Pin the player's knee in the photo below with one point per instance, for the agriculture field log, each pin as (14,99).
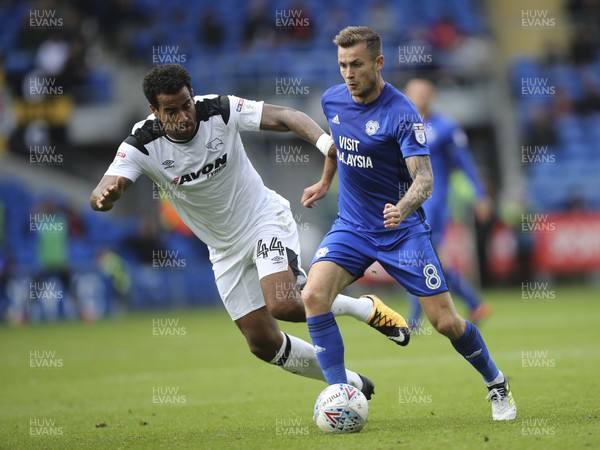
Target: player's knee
(288,309)
(286,305)
(263,347)
(449,326)
(313,300)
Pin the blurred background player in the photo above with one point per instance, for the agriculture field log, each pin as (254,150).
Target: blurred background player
(449,151)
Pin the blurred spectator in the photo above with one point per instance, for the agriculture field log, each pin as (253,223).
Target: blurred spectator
(382,14)
(583,47)
(585,13)
(211,30)
(170,220)
(576,202)
(114,267)
(337,18)
(551,57)
(590,103)
(76,72)
(444,34)
(51,56)
(472,56)
(6,118)
(3,223)
(145,242)
(562,106)
(259,28)
(5,276)
(52,229)
(541,131)
(303,24)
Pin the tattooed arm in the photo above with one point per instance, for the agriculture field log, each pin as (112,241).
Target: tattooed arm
(419,168)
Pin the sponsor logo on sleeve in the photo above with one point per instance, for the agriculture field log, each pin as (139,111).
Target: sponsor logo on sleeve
(419,130)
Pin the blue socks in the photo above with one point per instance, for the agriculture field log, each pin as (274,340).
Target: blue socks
(415,311)
(471,346)
(329,347)
(461,286)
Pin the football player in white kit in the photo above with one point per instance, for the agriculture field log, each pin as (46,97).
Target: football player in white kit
(192,144)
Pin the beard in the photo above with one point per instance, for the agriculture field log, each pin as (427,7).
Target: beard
(367,90)
(179,132)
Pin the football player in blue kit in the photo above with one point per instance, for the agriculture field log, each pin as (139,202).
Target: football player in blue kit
(384,176)
(449,150)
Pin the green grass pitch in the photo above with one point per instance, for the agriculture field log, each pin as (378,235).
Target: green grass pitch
(121,384)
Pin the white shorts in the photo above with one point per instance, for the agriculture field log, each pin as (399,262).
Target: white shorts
(270,247)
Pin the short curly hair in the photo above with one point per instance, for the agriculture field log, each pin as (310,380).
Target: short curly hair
(165,79)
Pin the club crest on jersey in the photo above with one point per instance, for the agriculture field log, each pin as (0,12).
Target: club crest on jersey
(168,163)
(371,127)
(419,130)
(215,144)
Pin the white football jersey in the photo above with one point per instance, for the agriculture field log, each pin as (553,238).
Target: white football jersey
(209,179)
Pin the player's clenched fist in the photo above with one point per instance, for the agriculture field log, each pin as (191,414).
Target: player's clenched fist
(391,214)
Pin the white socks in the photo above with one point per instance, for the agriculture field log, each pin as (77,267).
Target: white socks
(299,357)
(359,308)
(499,379)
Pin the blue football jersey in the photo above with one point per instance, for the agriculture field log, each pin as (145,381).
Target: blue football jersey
(448,147)
(372,141)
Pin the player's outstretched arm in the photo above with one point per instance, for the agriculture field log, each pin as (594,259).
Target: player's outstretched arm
(109,190)
(280,118)
(420,190)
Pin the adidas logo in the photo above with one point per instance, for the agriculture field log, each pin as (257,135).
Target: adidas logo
(319,349)
(336,120)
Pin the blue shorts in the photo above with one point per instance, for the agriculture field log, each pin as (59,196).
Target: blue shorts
(407,254)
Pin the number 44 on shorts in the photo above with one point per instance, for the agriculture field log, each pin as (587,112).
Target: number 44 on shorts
(262,251)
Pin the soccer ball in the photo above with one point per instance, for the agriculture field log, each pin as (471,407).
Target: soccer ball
(341,408)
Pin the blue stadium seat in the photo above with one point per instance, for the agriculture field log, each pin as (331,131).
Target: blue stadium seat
(81,251)
(570,130)
(522,68)
(569,80)
(99,86)
(200,286)
(149,287)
